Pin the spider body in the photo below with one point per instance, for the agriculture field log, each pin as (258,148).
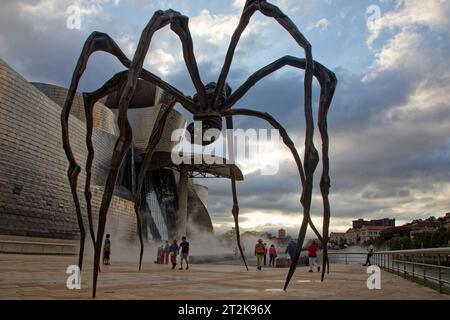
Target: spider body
(209,115)
(210,104)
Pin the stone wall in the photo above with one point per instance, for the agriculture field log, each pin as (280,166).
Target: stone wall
(35,198)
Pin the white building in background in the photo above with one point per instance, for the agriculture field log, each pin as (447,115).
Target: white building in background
(367,233)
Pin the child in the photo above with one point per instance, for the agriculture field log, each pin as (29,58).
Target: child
(107,250)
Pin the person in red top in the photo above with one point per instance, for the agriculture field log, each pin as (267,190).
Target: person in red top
(312,255)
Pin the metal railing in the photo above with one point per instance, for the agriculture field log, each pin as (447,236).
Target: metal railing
(340,257)
(428,266)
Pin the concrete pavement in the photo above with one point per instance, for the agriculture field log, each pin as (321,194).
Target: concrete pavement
(44,277)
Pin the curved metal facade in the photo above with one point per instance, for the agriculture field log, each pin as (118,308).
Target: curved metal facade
(35,196)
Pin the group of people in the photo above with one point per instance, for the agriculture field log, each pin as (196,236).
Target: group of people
(172,251)
(164,252)
(261,251)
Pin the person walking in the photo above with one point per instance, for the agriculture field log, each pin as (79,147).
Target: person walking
(369,255)
(166,252)
(173,251)
(160,258)
(107,250)
(184,255)
(290,250)
(272,255)
(265,254)
(259,253)
(312,255)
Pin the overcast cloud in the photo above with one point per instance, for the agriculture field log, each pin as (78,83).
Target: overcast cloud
(389,122)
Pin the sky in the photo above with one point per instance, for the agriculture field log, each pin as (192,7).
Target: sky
(389,122)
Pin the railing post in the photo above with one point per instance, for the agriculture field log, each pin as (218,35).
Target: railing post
(424,268)
(391,264)
(346,258)
(440,273)
(404,266)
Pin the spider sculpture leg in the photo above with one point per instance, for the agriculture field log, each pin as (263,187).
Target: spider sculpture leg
(287,141)
(269,10)
(122,146)
(96,42)
(151,146)
(235,210)
(158,21)
(90,99)
(179,24)
(328,82)
(311,154)
(100,42)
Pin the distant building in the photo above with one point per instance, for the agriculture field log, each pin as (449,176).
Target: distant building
(281,234)
(368,233)
(400,231)
(362,230)
(448,221)
(338,237)
(352,236)
(447,218)
(386,222)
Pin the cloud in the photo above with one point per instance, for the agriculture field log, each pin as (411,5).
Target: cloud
(322,24)
(410,14)
(396,52)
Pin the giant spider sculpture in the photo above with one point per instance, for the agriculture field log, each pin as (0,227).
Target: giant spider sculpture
(210,104)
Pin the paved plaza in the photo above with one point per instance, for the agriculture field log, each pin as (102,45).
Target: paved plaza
(44,277)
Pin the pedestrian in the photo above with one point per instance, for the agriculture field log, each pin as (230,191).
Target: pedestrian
(290,250)
(265,254)
(107,250)
(259,253)
(173,249)
(166,252)
(184,255)
(312,255)
(160,255)
(272,255)
(369,255)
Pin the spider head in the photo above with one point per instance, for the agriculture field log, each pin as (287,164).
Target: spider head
(210,88)
(207,124)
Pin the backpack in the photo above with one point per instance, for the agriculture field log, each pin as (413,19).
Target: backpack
(260,249)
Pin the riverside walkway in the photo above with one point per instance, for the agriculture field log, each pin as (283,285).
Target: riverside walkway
(44,277)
